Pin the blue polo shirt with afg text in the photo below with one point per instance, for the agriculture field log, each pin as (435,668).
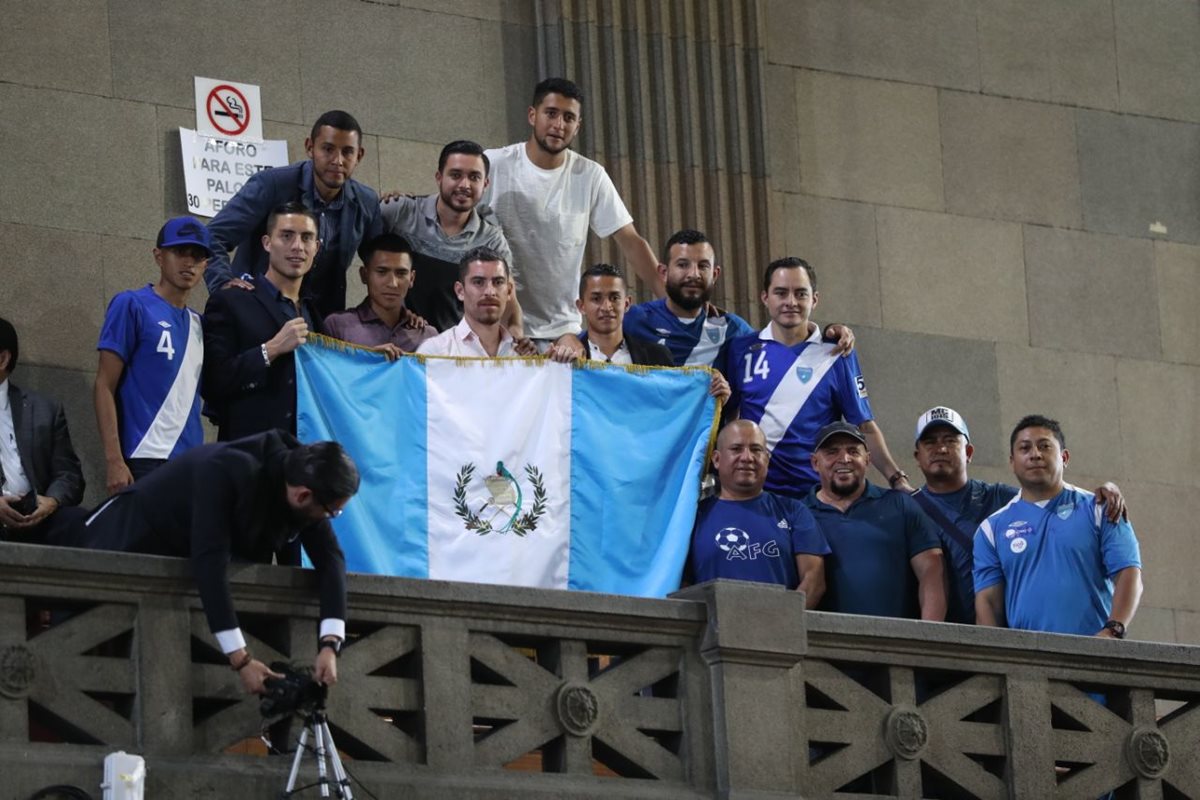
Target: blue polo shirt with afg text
(753,540)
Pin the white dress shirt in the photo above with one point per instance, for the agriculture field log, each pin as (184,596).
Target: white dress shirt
(15,483)
(461,341)
(619,356)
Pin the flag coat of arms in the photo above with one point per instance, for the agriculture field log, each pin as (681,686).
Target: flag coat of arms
(513,471)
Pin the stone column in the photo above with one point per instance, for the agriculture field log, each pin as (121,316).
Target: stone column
(754,639)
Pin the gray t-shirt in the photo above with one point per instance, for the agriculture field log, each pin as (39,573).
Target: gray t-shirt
(436,255)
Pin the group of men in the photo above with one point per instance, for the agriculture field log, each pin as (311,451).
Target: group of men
(1043,556)
(490,266)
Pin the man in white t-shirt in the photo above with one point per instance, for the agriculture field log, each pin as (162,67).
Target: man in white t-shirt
(547,197)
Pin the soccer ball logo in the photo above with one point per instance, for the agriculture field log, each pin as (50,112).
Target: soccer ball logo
(732,539)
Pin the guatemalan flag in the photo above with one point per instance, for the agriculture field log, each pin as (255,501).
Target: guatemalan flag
(514,471)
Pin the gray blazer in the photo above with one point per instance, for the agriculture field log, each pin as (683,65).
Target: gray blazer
(44,444)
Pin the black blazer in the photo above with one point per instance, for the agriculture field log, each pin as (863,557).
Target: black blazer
(218,501)
(244,395)
(642,351)
(44,444)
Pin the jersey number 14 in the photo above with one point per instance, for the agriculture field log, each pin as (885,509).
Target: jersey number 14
(760,367)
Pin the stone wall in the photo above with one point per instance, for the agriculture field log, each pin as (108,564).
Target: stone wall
(93,92)
(1002,197)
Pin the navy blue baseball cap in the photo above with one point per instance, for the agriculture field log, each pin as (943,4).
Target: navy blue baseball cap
(834,428)
(183,231)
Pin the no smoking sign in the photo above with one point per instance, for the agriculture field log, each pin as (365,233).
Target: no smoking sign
(228,110)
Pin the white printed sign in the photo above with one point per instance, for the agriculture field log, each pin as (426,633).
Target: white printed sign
(215,169)
(228,110)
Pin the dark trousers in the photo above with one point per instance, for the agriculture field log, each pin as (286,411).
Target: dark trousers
(117,525)
(141,467)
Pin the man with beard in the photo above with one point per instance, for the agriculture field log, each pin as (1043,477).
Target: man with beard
(547,197)
(872,533)
(443,227)
(685,322)
(603,300)
(792,384)
(241,501)
(747,534)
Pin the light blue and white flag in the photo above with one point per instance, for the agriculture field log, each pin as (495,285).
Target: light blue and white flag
(513,471)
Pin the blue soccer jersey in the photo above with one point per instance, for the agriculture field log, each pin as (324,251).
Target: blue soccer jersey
(694,342)
(873,543)
(1056,559)
(965,509)
(753,540)
(793,392)
(158,398)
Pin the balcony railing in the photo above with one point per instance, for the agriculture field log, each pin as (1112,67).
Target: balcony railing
(470,691)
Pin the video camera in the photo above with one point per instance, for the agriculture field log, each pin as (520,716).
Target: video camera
(296,691)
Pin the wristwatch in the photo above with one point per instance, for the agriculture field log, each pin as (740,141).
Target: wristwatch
(333,644)
(1117,627)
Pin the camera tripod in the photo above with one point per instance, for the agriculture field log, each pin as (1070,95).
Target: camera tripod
(317,726)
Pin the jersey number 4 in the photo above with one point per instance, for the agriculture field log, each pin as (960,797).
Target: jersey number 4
(166,346)
(760,367)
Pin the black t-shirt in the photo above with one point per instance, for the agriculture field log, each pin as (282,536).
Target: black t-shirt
(432,293)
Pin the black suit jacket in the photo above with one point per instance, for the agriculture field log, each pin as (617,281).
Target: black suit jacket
(245,396)
(44,444)
(642,351)
(215,502)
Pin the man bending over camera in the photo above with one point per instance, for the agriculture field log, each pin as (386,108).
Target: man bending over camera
(251,499)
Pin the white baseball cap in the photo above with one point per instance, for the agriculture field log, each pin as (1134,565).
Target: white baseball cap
(941,415)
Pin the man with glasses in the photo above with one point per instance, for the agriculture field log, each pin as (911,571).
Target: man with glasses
(245,500)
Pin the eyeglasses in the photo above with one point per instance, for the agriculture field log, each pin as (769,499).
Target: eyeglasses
(332,513)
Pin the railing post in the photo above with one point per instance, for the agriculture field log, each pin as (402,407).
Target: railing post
(1029,738)
(162,652)
(18,669)
(446,671)
(754,638)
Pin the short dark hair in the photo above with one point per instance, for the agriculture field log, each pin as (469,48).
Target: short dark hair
(789,262)
(292,207)
(600,271)
(1038,421)
(467,148)
(325,468)
(686,236)
(480,254)
(388,243)
(561,86)
(8,341)
(340,120)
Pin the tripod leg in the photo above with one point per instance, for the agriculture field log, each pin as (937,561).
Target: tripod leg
(291,784)
(319,749)
(342,782)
